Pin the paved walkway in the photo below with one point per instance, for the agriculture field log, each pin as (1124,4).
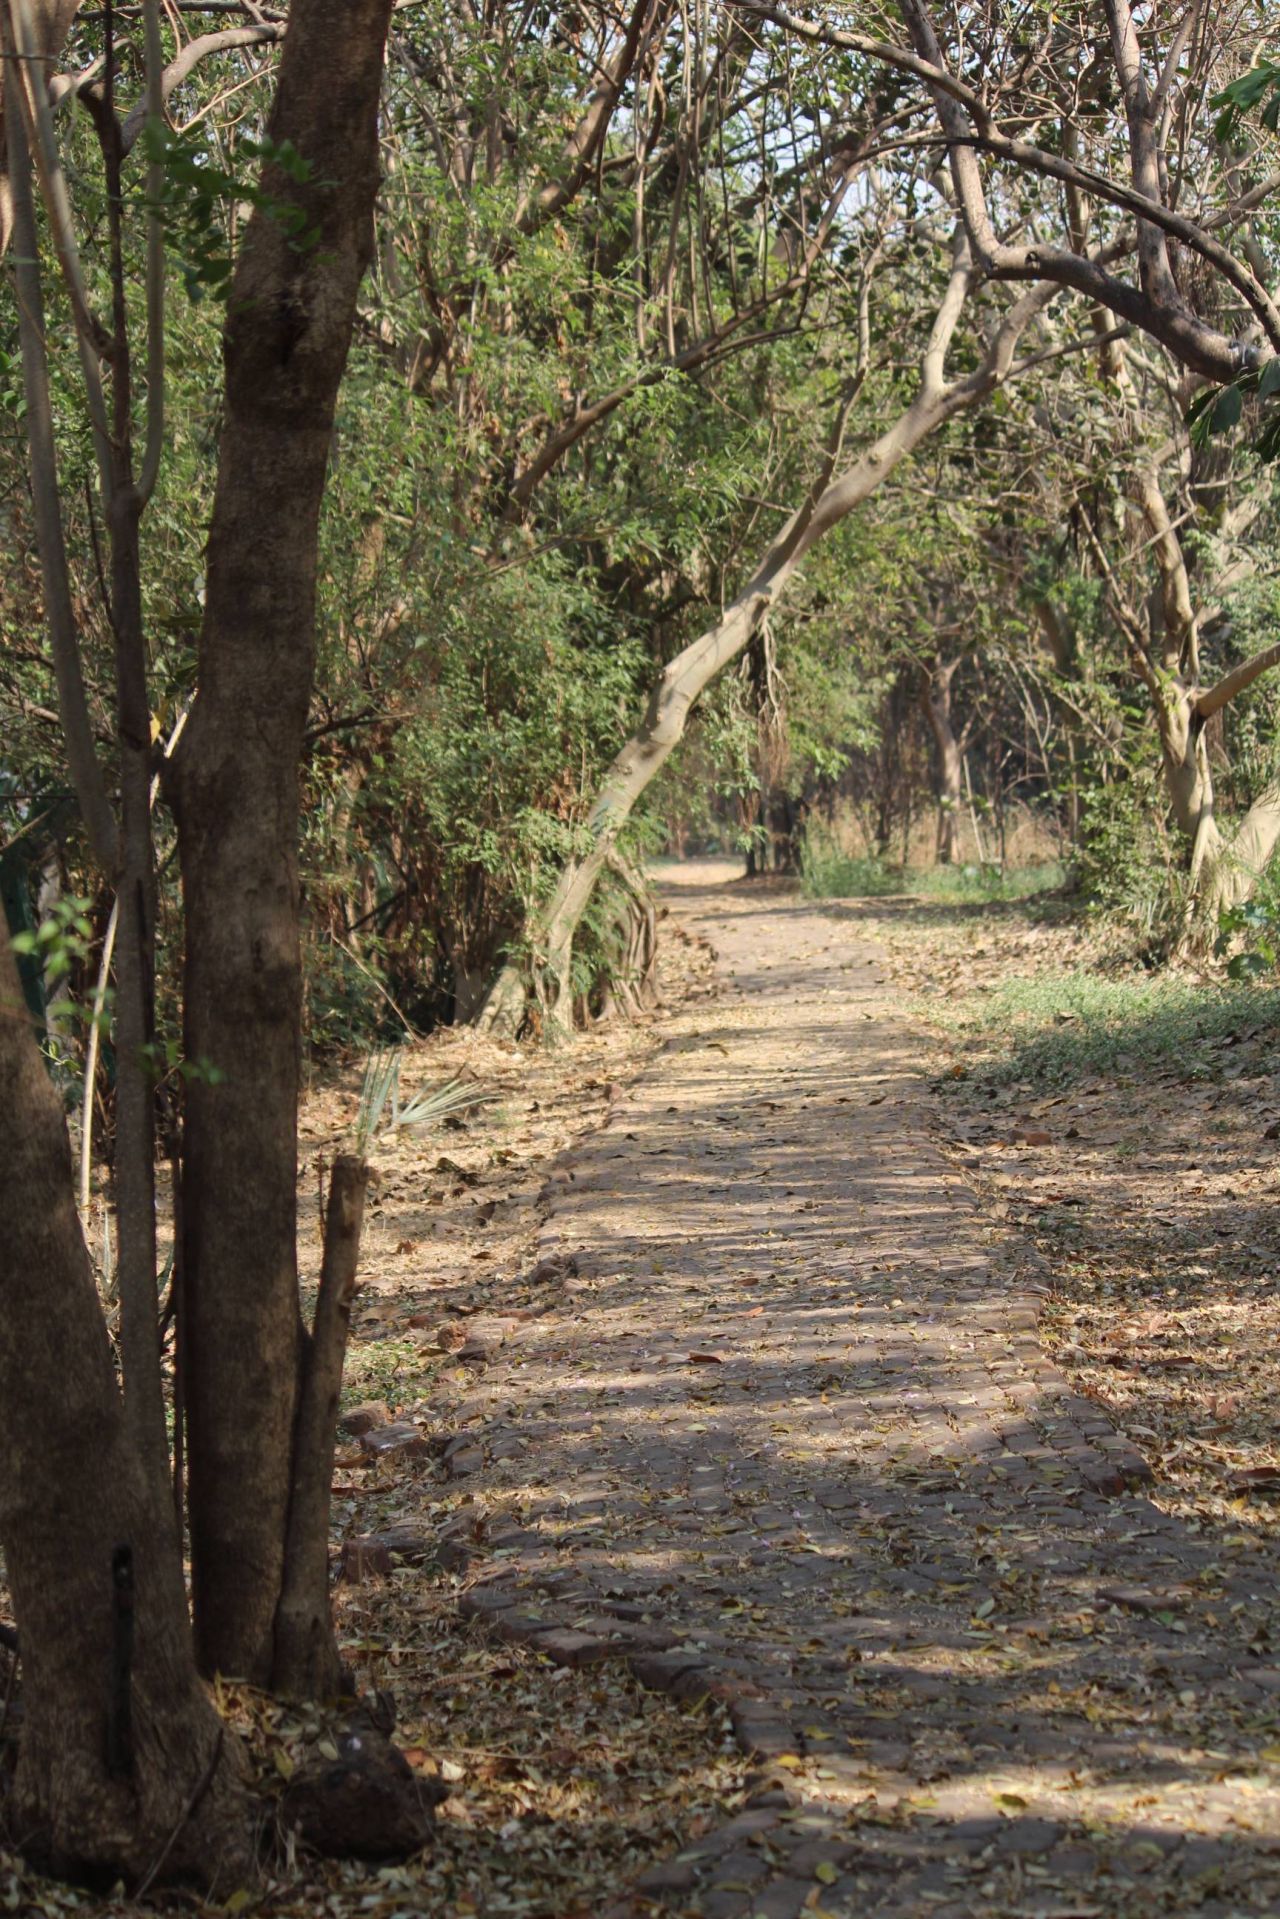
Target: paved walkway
(788,1441)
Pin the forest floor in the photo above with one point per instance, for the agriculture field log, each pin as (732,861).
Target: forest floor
(824,1448)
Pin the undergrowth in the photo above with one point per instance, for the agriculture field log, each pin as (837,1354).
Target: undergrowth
(829,873)
(1058,1029)
(974,884)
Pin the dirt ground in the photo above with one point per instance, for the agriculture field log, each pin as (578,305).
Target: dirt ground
(1150,1189)
(1148,1196)
(558,1788)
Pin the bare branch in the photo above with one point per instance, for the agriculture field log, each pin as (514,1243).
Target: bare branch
(264,33)
(1156,307)
(1236,681)
(73,705)
(155,267)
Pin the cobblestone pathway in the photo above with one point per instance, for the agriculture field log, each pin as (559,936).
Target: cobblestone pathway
(789,1442)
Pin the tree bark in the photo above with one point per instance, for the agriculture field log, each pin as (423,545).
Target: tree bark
(123,1764)
(17,214)
(935,698)
(51,22)
(1224,871)
(291,312)
(306,1661)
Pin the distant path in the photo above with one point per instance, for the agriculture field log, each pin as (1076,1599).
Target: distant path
(793,1438)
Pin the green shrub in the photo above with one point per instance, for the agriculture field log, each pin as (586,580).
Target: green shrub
(827,873)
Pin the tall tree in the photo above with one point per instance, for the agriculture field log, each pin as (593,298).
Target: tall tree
(123,1766)
(122,1762)
(291,311)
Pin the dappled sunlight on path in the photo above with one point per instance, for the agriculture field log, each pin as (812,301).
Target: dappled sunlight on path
(791,1434)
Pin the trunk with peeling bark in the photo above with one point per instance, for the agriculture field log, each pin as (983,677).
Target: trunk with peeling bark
(51,22)
(291,313)
(550,930)
(1225,869)
(123,1765)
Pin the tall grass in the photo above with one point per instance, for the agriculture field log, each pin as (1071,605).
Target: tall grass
(828,874)
(973,885)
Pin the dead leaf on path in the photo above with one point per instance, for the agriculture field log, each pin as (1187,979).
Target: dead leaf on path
(1141,1599)
(707,1359)
(1256,1479)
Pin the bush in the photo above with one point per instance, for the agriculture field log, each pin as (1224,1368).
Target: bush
(977,885)
(826,873)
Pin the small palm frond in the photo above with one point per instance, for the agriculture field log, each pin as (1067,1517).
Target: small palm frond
(380,1108)
(437,1103)
(381,1083)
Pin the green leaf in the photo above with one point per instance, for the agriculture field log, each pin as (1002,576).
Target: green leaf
(1226,414)
(1269,382)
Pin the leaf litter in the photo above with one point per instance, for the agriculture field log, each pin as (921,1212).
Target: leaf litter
(561,1784)
(1149,1189)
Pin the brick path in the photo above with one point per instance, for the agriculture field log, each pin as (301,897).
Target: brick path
(788,1442)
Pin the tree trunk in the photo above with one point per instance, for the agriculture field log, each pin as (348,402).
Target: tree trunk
(51,23)
(291,311)
(1224,872)
(935,699)
(306,1664)
(123,1765)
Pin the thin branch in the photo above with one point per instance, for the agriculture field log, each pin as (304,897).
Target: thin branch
(155,265)
(73,704)
(32,97)
(264,33)
(100,1000)
(1199,345)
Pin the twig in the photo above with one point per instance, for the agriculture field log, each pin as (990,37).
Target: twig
(374,981)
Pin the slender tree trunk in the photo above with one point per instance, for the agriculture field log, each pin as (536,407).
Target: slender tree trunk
(1223,872)
(51,21)
(291,311)
(123,1765)
(306,1663)
(551,931)
(935,699)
